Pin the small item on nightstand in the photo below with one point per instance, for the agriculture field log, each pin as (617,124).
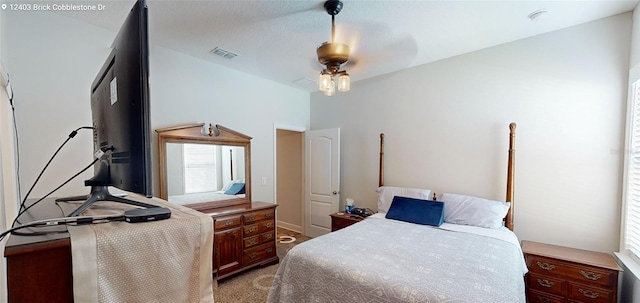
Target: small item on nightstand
(348,208)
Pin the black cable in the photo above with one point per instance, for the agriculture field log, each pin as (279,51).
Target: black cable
(60,221)
(71,135)
(51,192)
(24,200)
(15,130)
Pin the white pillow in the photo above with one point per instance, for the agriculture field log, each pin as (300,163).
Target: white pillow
(227,186)
(230,183)
(386,194)
(468,210)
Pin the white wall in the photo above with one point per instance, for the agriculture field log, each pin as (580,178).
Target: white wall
(630,285)
(446,127)
(54,59)
(8,184)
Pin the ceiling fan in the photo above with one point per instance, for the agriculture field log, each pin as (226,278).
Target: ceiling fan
(333,55)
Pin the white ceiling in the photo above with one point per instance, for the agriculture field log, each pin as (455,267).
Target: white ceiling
(277,40)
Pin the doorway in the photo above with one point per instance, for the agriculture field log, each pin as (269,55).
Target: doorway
(289,170)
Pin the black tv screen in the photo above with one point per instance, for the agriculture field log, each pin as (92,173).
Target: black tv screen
(120,106)
(120,114)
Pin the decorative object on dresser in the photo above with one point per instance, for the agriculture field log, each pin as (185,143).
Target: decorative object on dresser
(563,274)
(244,230)
(342,220)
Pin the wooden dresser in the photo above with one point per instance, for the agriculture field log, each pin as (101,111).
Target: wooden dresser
(244,237)
(342,220)
(567,275)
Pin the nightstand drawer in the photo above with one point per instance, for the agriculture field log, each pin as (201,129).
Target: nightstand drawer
(584,273)
(541,297)
(588,294)
(546,284)
(575,275)
(338,224)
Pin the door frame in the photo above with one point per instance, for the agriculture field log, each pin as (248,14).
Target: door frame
(300,129)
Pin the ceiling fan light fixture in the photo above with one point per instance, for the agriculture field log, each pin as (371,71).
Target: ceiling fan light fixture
(344,83)
(332,55)
(331,90)
(323,82)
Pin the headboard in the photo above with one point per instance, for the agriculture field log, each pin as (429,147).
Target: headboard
(508,220)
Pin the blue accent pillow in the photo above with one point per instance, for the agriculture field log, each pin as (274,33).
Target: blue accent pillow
(418,211)
(235,189)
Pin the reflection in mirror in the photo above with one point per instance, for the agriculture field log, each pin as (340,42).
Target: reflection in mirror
(204,168)
(199,173)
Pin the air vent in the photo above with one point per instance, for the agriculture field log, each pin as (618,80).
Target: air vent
(223,53)
(305,82)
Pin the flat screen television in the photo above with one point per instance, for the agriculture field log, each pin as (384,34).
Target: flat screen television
(120,115)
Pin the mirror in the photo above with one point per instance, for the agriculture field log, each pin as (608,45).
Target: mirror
(204,168)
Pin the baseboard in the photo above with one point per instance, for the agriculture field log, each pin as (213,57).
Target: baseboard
(289,226)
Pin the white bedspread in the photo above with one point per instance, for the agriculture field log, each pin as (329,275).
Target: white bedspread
(380,260)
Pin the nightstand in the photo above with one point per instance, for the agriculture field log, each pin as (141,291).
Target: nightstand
(342,220)
(562,274)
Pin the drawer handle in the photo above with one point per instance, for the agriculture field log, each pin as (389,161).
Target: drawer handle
(543,299)
(268,225)
(269,215)
(590,275)
(251,218)
(546,283)
(268,237)
(252,241)
(228,223)
(588,293)
(252,229)
(252,256)
(546,266)
(268,250)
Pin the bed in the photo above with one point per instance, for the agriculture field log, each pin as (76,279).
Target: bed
(232,190)
(385,260)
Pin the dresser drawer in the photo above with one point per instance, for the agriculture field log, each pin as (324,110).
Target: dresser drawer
(258,216)
(267,225)
(259,253)
(547,284)
(266,237)
(251,241)
(251,230)
(588,294)
(541,297)
(227,222)
(584,273)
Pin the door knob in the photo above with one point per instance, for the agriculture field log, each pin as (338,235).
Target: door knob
(335,192)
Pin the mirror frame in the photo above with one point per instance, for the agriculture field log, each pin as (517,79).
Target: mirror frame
(195,133)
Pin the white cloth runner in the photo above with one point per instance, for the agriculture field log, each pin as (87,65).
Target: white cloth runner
(162,261)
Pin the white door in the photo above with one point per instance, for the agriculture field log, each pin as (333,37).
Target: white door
(322,182)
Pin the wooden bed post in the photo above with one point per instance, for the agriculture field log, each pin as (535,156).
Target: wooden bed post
(510,170)
(381,170)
